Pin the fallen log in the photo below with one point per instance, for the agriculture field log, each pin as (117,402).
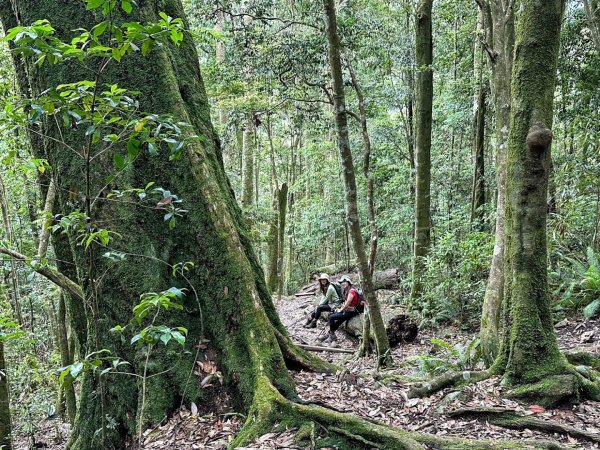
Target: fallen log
(382,279)
(510,419)
(316,348)
(400,329)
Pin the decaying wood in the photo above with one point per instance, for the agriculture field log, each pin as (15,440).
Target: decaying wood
(398,326)
(510,419)
(382,279)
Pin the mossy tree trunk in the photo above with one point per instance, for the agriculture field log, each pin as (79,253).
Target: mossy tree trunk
(249,142)
(478,188)
(341,123)
(423,107)
(282,202)
(529,350)
(5,420)
(499,26)
(276,244)
(233,308)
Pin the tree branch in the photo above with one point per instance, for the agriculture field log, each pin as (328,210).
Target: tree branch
(51,273)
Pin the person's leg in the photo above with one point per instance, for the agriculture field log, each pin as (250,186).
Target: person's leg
(332,319)
(320,310)
(314,317)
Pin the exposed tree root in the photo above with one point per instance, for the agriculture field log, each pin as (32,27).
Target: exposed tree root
(581,358)
(296,358)
(447,380)
(510,419)
(270,407)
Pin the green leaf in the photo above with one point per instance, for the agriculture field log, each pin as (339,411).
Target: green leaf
(126,5)
(119,161)
(133,149)
(75,369)
(592,309)
(99,29)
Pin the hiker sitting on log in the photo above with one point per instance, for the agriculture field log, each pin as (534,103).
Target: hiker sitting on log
(329,300)
(348,310)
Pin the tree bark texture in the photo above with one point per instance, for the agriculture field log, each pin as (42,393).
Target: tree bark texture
(282,201)
(276,236)
(232,309)
(341,122)
(423,122)
(529,351)
(478,189)
(499,20)
(249,141)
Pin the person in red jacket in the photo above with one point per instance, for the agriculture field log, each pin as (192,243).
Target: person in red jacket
(346,312)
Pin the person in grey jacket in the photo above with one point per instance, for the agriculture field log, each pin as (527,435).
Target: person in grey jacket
(329,300)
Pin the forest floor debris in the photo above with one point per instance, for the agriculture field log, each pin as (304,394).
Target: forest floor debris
(357,391)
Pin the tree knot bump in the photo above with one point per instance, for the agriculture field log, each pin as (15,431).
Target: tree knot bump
(539,138)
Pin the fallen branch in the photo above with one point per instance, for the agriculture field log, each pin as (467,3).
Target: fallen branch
(446,380)
(51,273)
(315,348)
(510,419)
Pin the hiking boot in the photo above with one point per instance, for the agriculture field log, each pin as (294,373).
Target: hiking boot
(330,338)
(323,338)
(311,324)
(334,344)
(308,322)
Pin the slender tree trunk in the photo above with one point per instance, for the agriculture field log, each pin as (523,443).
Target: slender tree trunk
(65,356)
(282,199)
(273,245)
(13,276)
(5,420)
(478,189)
(366,334)
(529,351)
(219,60)
(424,104)
(592,14)
(248,168)
(500,32)
(341,122)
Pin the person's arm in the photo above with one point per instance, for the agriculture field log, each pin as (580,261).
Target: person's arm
(349,300)
(324,300)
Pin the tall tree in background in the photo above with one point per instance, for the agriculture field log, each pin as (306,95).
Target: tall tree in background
(499,28)
(423,122)
(341,123)
(249,148)
(592,13)
(478,187)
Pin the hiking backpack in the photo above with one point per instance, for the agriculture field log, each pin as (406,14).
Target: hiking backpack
(360,307)
(338,289)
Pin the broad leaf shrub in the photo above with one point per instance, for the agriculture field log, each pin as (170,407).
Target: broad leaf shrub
(455,280)
(577,284)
